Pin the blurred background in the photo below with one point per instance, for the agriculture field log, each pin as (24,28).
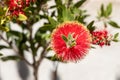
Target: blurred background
(99,64)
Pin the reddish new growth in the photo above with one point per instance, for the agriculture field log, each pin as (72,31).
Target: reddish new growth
(101,38)
(16,6)
(71,41)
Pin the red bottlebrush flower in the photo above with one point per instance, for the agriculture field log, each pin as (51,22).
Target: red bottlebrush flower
(12,4)
(15,4)
(27,2)
(17,12)
(101,38)
(71,41)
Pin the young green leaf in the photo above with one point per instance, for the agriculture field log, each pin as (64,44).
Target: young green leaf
(115,39)
(116,35)
(108,10)
(79,3)
(90,26)
(67,14)
(64,38)
(53,22)
(22,17)
(102,10)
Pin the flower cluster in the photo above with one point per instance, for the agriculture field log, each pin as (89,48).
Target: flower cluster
(101,38)
(16,6)
(71,41)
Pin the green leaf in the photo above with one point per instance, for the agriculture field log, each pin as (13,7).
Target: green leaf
(108,9)
(53,22)
(44,28)
(4,28)
(64,38)
(1,54)
(2,12)
(22,17)
(102,10)
(58,2)
(116,35)
(93,47)
(115,39)
(67,14)
(49,48)
(114,24)
(10,58)
(2,21)
(3,47)
(79,3)
(70,36)
(54,58)
(53,14)
(14,33)
(90,26)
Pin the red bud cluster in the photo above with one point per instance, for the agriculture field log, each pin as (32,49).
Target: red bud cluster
(16,6)
(101,38)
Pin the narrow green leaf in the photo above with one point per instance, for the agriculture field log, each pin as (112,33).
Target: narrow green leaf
(90,26)
(115,40)
(70,36)
(79,3)
(58,2)
(102,10)
(53,22)
(45,27)
(93,47)
(22,17)
(53,14)
(49,48)
(10,58)
(14,33)
(67,14)
(114,24)
(52,6)
(108,9)
(116,35)
(3,47)
(54,58)
(64,38)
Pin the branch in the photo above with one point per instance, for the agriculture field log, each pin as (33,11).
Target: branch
(42,54)
(15,50)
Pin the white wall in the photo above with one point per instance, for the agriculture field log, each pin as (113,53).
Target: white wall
(99,64)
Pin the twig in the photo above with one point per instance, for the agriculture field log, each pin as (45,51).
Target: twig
(42,54)
(17,51)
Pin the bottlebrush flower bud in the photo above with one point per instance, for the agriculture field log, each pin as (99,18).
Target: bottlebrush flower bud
(101,38)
